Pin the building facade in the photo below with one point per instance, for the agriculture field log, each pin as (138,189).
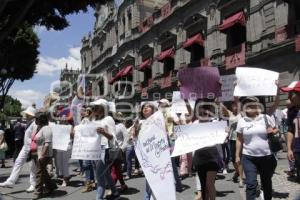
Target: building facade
(68,83)
(138,47)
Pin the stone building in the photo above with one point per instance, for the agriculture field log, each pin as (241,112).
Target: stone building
(139,46)
(68,82)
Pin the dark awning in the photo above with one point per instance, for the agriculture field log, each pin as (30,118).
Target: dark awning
(169,53)
(196,39)
(234,19)
(145,64)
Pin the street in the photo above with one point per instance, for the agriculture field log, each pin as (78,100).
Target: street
(226,189)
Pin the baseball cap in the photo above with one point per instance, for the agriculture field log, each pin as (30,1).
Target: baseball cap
(29,111)
(250,100)
(164,101)
(294,86)
(100,102)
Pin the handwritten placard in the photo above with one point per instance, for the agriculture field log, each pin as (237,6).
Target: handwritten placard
(87,143)
(227,87)
(153,153)
(60,136)
(255,82)
(196,136)
(179,105)
(199,82)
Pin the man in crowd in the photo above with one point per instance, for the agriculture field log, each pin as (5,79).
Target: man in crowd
(29,114)
(19,131)
(293,140)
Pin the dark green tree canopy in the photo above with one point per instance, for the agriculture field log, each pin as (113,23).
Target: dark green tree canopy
(12,108)
(19,44)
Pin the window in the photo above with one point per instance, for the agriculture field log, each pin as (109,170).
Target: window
(147,77)
(168,66)
(297,16)
(129,16)
(124,23)
(197,53)
(236,35)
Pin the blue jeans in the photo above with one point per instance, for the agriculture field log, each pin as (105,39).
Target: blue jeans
(176,174)
(265,166)
(102,175)
(148,192)
(129,155)
(80,165)
(89,171)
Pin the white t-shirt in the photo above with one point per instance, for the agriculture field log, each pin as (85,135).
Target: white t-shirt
(121,134)
(27,136)
(254,132)
(109,125)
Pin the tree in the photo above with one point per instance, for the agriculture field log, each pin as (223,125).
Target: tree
(12,108)
(18,58)
(19,44)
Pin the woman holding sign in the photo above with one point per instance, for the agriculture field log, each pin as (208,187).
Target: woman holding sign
(252,139)
(107,131)
(147,110)
(205,160)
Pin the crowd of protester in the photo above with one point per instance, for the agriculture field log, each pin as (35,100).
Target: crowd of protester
(247,146)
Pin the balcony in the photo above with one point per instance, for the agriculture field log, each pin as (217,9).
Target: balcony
(166,81)
(235,57)
(297,43)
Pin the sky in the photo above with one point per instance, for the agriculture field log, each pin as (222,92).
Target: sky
(56,49)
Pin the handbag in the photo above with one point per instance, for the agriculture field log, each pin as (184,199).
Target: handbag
(273,139)
(115,155)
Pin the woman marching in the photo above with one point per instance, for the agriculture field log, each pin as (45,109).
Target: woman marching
(252,139)
(146,111)
(107,129)
(205,160)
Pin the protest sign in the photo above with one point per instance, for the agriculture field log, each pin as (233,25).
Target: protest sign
(179,105)
(60,136)
(87,143)
(196,136)
(153,153)
(227,87)
(199,82)
(255,82)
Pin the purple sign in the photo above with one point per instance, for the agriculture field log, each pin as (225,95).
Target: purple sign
(199,82)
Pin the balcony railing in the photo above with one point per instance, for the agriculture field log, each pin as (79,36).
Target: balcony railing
(235,56)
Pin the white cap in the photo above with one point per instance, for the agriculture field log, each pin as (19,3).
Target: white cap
(29,111)
(164,101)
(1,132)
(100,102)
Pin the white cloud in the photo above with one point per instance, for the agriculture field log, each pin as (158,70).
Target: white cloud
(48,65)
(27,97)
(39,29)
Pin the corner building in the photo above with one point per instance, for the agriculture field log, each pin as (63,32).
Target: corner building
(138,46)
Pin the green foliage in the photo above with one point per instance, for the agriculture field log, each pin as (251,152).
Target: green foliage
(19,54)
(12,108)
